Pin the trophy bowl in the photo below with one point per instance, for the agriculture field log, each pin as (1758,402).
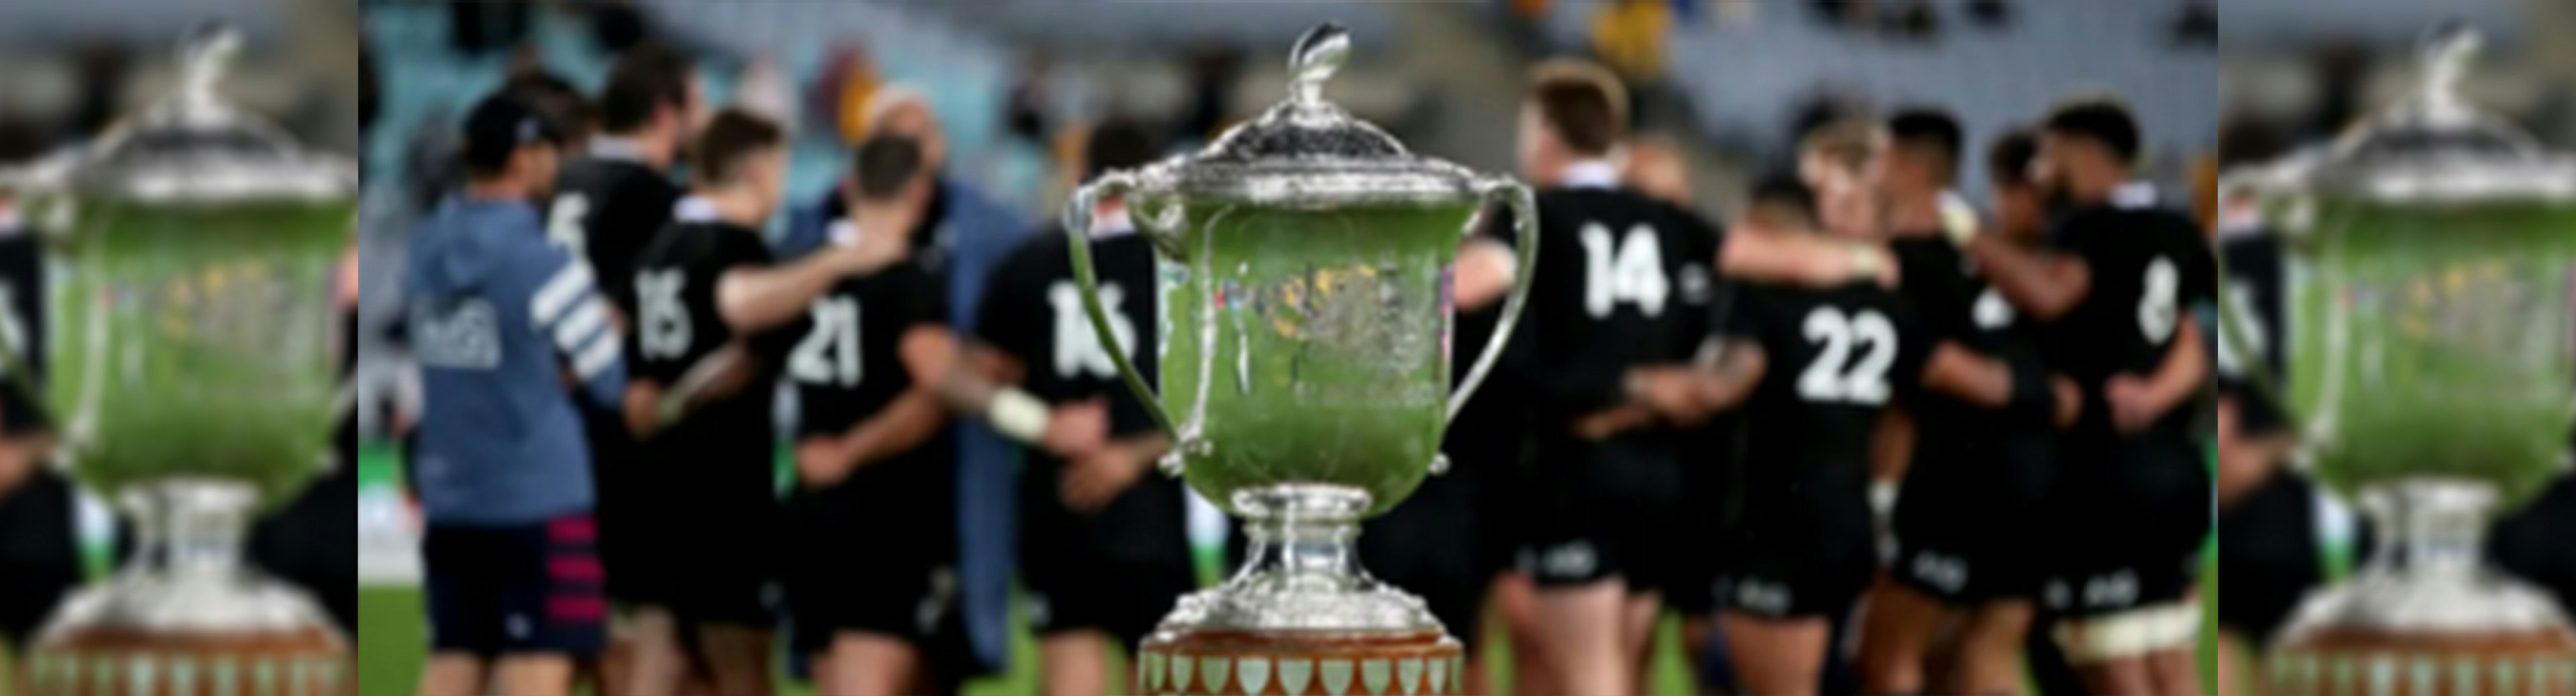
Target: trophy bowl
(2433,348)
(1302,265)
(192,382)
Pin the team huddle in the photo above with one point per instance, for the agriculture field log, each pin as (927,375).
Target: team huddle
(1859,431)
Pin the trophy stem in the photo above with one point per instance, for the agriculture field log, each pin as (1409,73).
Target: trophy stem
(2435,527)
(1302,538)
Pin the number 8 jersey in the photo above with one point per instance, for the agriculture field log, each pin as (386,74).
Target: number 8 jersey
(2151,270)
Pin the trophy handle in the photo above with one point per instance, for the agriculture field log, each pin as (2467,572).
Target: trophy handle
(1077,237)
(1524,228)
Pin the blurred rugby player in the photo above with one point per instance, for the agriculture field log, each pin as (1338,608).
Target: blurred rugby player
(1974,492)
(1606,365)
(2280,532)
(500,321)
(2120,295)
(608,203)
(871,452)
(714,320)
(1103,547)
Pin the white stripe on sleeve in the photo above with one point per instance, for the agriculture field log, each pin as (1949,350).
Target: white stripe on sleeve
(589,319)
(558,294)
(603,351)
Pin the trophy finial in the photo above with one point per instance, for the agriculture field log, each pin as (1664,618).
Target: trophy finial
(1318,54)
(2446,55)
(205,54)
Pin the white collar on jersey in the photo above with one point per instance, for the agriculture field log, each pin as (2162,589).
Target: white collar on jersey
(2135,195)
(694,209)
(1589,174)
(616,149)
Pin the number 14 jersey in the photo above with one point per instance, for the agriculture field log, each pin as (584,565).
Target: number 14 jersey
(1623,281)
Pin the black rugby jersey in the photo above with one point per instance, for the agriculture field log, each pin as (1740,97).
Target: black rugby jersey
(728,447)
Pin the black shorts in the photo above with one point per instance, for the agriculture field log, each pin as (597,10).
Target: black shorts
(518,589)
(2130,522)
(1709,458)
(714,564)
(870,557)
(1605,510)
(40,555)
(2271,544)
(1970,525)
(614,479)
(1119,572)
(1785,583)
(1427,547)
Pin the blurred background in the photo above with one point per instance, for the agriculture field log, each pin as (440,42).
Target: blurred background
(1723,88)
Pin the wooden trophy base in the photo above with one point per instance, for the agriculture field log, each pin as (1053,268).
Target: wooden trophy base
(2353,663)
(1236,663)
(122,663)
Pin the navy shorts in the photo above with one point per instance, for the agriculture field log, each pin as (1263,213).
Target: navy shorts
(516,589)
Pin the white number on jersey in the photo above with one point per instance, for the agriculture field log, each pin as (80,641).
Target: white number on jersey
(1834,377)
(2247,328)
(2156,302)
(1077,346)
(1629,269)
(829,356)
(563,222)
(1992,312)
(663,330)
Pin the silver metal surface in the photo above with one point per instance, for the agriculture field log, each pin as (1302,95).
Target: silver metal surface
(188,578)
(2430,148)
(192,148)
(2426,579)
(1302,571)
(1306,152)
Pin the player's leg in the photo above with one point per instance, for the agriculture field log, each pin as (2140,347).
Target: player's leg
(452,674)
(1515,603)
(656,663)
(868,664)
(1637,617)
(2237,665)
(738,658)
(1896,638)
(1990,647)
(1074,663)
(1777,656)
(1581,633)
(534,675)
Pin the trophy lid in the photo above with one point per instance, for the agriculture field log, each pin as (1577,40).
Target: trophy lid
(1307,152)
(193,148)
(2434,147)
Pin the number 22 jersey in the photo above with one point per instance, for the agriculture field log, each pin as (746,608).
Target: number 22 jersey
(1834,359)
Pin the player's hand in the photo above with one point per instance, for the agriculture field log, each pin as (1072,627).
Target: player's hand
(1672,392)
(721,375)
(823,461)
(1094,479)
(1603,425)
(2070,400)
(1077,429)
(2133,403)
(1876,262)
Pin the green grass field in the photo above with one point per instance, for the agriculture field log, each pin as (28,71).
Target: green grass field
(392,640)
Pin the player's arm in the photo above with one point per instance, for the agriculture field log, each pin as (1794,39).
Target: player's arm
(1803,260)
(1740,367)
(1995,383)
(1094,479)
(755,299)
(1486,269)
(2137,403)
(907,421)
(2042,284)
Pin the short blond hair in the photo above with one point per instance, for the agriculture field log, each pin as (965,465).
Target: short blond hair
(1847,143)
